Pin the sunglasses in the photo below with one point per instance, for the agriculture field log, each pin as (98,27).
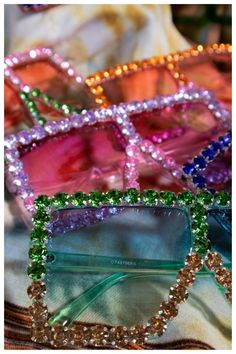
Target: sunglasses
(107,226)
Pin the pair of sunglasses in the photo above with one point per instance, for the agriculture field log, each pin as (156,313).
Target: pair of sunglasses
(117,244)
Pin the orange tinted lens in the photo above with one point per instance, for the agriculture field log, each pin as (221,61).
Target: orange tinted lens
(140,85)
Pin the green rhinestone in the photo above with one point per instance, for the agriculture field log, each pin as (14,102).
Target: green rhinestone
(149,196)
(222,198)
(23,95)
(78,199)
(46,98)
(96,198)
(37,252)
(42,201)
(66,109)
(39,234)
(186,198)
(31,104)
(33,110)
(35,92)
(56,104)
(60,200)
(167,198)
(132,196)
(40,218)
(198,211)
(41,120)
(114,196)
(36,271)
(202,225)
(202,245)
(205,197)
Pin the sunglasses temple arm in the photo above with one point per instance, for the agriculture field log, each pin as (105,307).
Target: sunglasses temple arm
(73,309)
(75,262)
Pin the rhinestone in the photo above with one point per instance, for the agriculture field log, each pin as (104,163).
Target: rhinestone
(59,337)
(194,261)
(98,335)
(158,325)
(223,277)
(178,293)
(40,218)
(36,271)
(114,196)
(228,294)
(78,199)
(60,200)
(43,201)
(138,334)
(167,198)
(205,197)
(39,311)
(213,261)
(96,198)
(36,290)
(39,334)
(118,335)
(185,277)
(149,197)
(222,198)
(37,252)
(168,310)
(39,234)
(202,245)
(186,198)
(131,196)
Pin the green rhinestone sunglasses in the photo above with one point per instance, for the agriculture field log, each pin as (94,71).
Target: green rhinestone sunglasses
(146,214)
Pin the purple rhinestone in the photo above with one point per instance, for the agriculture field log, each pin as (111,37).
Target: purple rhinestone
(24,137)
(38,132)
(16,167)
(20,179)
(64,125)
(10,141)
(12,154)
(77,120)
(51,127)
(25,192)
(89,117)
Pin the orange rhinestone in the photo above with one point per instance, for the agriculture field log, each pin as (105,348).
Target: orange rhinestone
(178,293)
(224,277)
(213,261)
(168,310)
(194,261)
(185,277)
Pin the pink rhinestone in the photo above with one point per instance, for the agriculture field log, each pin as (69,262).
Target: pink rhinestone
(177,173)
(213,261)
(132,150)
(133,184)
(169,163)
(147,147)
(134,139)
(168,310)
(223,277)
(158,155)
(131,162)
(194,261)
